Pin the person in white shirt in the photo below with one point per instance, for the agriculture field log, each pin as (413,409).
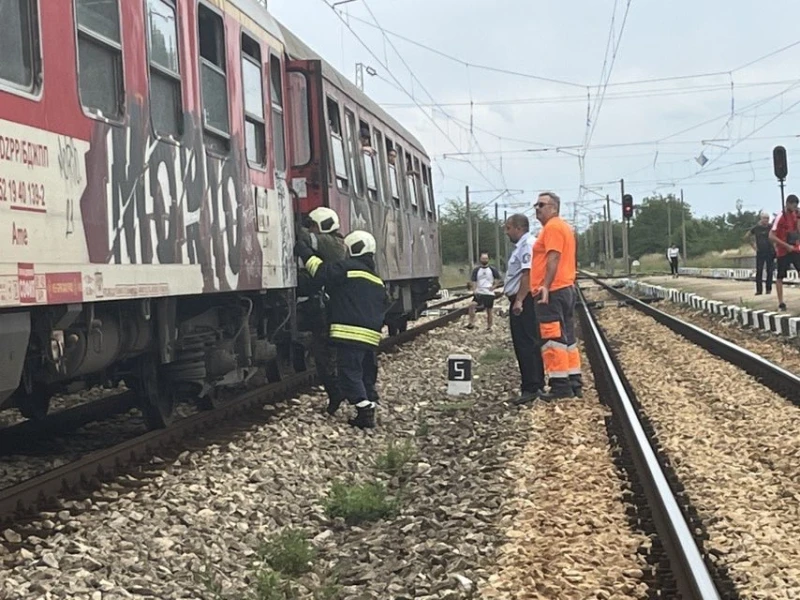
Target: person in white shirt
(522,316)
(672,256)
(482,283)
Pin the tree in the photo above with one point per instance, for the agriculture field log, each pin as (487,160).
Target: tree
(453,232)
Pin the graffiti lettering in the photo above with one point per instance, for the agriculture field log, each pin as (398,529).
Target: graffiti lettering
(68,161)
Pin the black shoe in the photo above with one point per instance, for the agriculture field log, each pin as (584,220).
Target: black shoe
(333,405)
(759,293)
(470,326)
(781,306)
(557,395)
(577,391)
(526,398)
(365,418)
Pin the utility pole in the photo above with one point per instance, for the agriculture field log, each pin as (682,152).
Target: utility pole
(439,230)
(505,238)
(477,237)
(497,235)
(610,235)
(470,249)
(360,76)
(683,226)
(625,223)
(669,221)
(605,238)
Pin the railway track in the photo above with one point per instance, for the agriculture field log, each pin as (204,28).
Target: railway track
(715,418)
(21,502)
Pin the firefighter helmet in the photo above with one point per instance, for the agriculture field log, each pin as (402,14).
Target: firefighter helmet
(359,243)
(326,219)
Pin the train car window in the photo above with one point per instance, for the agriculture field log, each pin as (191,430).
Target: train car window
(276,96)
(431,198)
(380,153)
(350,126)
(300,131)
(100,56)
(19,45)
(426,190)
(392,161)
(369,158)
(166,105)
(214,78)
(337,144)
(255,132)
(411,180)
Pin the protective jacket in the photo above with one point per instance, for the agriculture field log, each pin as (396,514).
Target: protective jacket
(357,296)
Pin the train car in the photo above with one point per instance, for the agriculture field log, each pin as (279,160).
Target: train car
(149,157)
(143,192)
(349,154)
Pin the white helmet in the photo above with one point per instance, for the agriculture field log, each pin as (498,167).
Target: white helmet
(326,219)
(359,243)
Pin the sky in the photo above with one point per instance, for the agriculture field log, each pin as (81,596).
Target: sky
(508,107)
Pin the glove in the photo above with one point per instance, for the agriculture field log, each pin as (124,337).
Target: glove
(302,250)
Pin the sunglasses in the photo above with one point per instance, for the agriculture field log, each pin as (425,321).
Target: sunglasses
(542,204)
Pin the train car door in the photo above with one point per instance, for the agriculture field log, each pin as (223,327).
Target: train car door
(308,179)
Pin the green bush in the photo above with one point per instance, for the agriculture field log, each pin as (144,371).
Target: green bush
(359,503)
(289,553)
(395,458)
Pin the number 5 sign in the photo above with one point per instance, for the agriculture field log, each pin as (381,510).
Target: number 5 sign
(459,374)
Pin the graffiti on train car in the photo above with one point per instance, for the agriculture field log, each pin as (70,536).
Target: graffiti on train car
(170,204)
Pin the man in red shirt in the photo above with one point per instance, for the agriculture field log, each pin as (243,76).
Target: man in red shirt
(785,236)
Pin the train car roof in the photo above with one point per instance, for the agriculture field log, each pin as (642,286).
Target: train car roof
(299,50)
(258,12)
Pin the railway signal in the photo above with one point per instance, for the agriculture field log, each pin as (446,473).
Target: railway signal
(781,167)
(627,207)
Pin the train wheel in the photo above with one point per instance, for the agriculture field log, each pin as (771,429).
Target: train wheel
(157,399)
(35,401)
(35,406)
(301,358)
(275,370)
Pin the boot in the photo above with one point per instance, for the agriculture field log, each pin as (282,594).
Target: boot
(560,387)
(365,418)
(577,385)
(334,402)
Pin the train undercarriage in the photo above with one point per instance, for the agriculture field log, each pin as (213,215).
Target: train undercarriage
(167,350)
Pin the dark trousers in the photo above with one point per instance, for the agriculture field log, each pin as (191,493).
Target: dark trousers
(313,318)
(764,260)
(673,265)
(358,372)
(527,347)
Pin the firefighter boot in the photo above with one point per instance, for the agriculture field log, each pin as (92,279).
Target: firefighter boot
(334,402)
(365,419)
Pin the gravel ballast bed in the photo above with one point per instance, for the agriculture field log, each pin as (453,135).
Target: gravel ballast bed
(732,442)
(479,466)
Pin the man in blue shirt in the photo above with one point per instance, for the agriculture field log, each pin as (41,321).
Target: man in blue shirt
(524,328)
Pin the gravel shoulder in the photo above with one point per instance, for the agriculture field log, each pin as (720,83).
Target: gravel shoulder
(732,442)
(485,493)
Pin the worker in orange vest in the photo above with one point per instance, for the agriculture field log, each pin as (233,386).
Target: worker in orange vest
(552,281)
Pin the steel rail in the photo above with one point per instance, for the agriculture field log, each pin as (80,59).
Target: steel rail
(688,567)
(767,373)
(27,497)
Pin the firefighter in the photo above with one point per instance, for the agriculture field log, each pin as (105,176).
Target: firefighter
(322,235)
(552,281)
(356,312)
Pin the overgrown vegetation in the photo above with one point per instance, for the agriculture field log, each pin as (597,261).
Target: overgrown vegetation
(358,503)
(492,356)
(395,457)
(452,407)
(289,553)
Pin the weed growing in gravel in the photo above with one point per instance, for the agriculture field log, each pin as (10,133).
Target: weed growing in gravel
(423,430)
(396,457)
(270,586)
(359,503)
(289,553)
(452,407)
(493,356)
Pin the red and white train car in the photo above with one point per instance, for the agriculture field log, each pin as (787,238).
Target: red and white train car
(144,159)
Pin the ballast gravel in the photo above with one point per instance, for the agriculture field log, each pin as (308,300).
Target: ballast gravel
(732,443)
(490,492)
